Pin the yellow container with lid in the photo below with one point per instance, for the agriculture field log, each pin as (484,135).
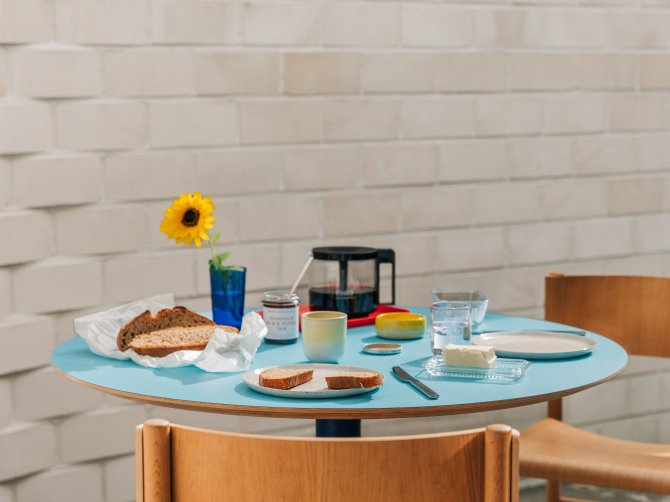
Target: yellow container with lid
(400,325)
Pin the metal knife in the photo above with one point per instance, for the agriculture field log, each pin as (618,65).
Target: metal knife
(580,332)
(406,377)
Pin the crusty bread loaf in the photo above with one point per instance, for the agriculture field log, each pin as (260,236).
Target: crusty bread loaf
(284,378)
(147,322)
(162,342)
(354,380)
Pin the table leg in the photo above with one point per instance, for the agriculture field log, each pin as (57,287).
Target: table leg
(338,428)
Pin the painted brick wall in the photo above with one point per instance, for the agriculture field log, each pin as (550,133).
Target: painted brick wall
(488,142)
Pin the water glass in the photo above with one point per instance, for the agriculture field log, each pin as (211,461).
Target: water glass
(477,300)
(450,322)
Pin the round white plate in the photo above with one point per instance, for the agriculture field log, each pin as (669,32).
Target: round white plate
(536,344)
(315,388)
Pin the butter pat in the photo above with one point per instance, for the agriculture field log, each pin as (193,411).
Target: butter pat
(480,356)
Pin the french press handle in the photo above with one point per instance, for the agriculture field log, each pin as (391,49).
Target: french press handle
(386,256)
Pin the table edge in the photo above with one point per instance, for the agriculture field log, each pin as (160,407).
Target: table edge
(345,414)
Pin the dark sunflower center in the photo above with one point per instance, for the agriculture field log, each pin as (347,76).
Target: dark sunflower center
(190,218)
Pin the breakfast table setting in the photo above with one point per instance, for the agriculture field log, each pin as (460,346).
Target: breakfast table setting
(188,387)
(339,355)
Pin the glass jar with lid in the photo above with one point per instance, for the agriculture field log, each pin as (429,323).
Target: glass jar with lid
(280,313)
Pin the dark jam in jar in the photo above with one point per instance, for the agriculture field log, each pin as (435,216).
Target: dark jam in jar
(280,313)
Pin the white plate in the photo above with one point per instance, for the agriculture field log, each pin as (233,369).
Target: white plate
(315,388)
(536,344)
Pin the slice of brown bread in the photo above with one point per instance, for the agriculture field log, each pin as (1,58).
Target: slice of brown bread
(147,322)
(354,380)
(284,378)
(166,341)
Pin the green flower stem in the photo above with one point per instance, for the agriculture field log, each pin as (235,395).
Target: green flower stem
(216,261)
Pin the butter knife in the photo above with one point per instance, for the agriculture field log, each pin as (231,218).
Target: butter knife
(406,377)
(580,332)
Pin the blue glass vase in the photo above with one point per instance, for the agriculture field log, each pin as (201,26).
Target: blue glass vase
(227,288)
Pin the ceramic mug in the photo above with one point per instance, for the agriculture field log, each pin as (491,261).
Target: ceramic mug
(323,335)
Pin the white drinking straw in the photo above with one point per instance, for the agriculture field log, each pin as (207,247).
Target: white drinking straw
(310,258)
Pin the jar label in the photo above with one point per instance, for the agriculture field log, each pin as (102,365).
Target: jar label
(282,323)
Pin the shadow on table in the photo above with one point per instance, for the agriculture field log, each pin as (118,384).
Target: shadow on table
(263,399)
(191,375)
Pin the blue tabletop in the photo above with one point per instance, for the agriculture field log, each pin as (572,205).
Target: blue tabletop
(190,388)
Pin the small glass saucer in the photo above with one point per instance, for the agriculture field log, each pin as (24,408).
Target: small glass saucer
(382,348)
(505,370)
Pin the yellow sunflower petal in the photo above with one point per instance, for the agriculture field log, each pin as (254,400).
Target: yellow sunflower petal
(190,230)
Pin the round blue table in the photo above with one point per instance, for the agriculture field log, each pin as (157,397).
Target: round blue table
(193,389)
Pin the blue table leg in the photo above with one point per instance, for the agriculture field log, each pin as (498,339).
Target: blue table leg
(338,428)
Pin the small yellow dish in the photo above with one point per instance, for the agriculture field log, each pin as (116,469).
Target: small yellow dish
(400,325)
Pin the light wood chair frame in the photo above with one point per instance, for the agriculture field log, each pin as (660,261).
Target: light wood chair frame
(167,454)
(634,311)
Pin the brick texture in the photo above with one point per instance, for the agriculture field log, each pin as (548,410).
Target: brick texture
(487,142)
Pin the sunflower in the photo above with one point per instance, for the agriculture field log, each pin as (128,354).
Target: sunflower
(189,219)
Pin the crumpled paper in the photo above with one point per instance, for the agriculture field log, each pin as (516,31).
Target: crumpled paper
(225,352)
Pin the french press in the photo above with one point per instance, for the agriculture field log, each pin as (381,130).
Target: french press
(346,279)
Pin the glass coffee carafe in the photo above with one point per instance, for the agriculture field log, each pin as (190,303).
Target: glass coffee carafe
(346,279)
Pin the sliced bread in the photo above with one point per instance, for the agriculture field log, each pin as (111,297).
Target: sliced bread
(354,380)
(147,322)
(162,342)
(284,378)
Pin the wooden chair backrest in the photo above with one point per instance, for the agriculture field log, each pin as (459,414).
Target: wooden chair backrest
(634,311)
(180,464)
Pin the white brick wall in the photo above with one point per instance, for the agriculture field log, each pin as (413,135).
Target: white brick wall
(487,142)
(81,437)
(5,402)
(25,21)
(24,127)
(46,72)
(118,486)
(44,181)
(101,125)
(28,341)
(34,231)
(57,485)
(57,396)
(31,447)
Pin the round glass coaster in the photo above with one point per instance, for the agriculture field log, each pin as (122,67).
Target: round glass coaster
(382,348)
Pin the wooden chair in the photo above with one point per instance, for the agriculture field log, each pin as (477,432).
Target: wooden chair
(177,464)
(635,312)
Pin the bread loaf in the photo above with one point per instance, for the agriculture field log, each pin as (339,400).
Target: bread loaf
(162,342)
(284,378)
(354,380)
(147,322)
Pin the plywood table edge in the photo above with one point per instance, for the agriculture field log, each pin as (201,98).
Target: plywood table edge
(346,414)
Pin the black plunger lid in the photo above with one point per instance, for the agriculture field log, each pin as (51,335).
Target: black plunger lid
(348,253)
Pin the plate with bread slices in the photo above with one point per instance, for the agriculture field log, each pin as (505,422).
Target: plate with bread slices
(313,381)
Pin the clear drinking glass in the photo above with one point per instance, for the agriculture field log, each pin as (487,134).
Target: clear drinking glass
(450,322)
(477,300)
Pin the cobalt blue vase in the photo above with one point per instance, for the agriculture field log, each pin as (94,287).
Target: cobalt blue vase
(227,288)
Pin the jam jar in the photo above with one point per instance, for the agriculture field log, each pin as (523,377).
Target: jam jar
(280,313)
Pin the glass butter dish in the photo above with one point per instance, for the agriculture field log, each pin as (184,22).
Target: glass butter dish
(504,371)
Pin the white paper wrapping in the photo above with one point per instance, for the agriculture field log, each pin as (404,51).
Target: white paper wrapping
(225,352)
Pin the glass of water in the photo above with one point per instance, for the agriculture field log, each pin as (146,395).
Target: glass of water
(450,322)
